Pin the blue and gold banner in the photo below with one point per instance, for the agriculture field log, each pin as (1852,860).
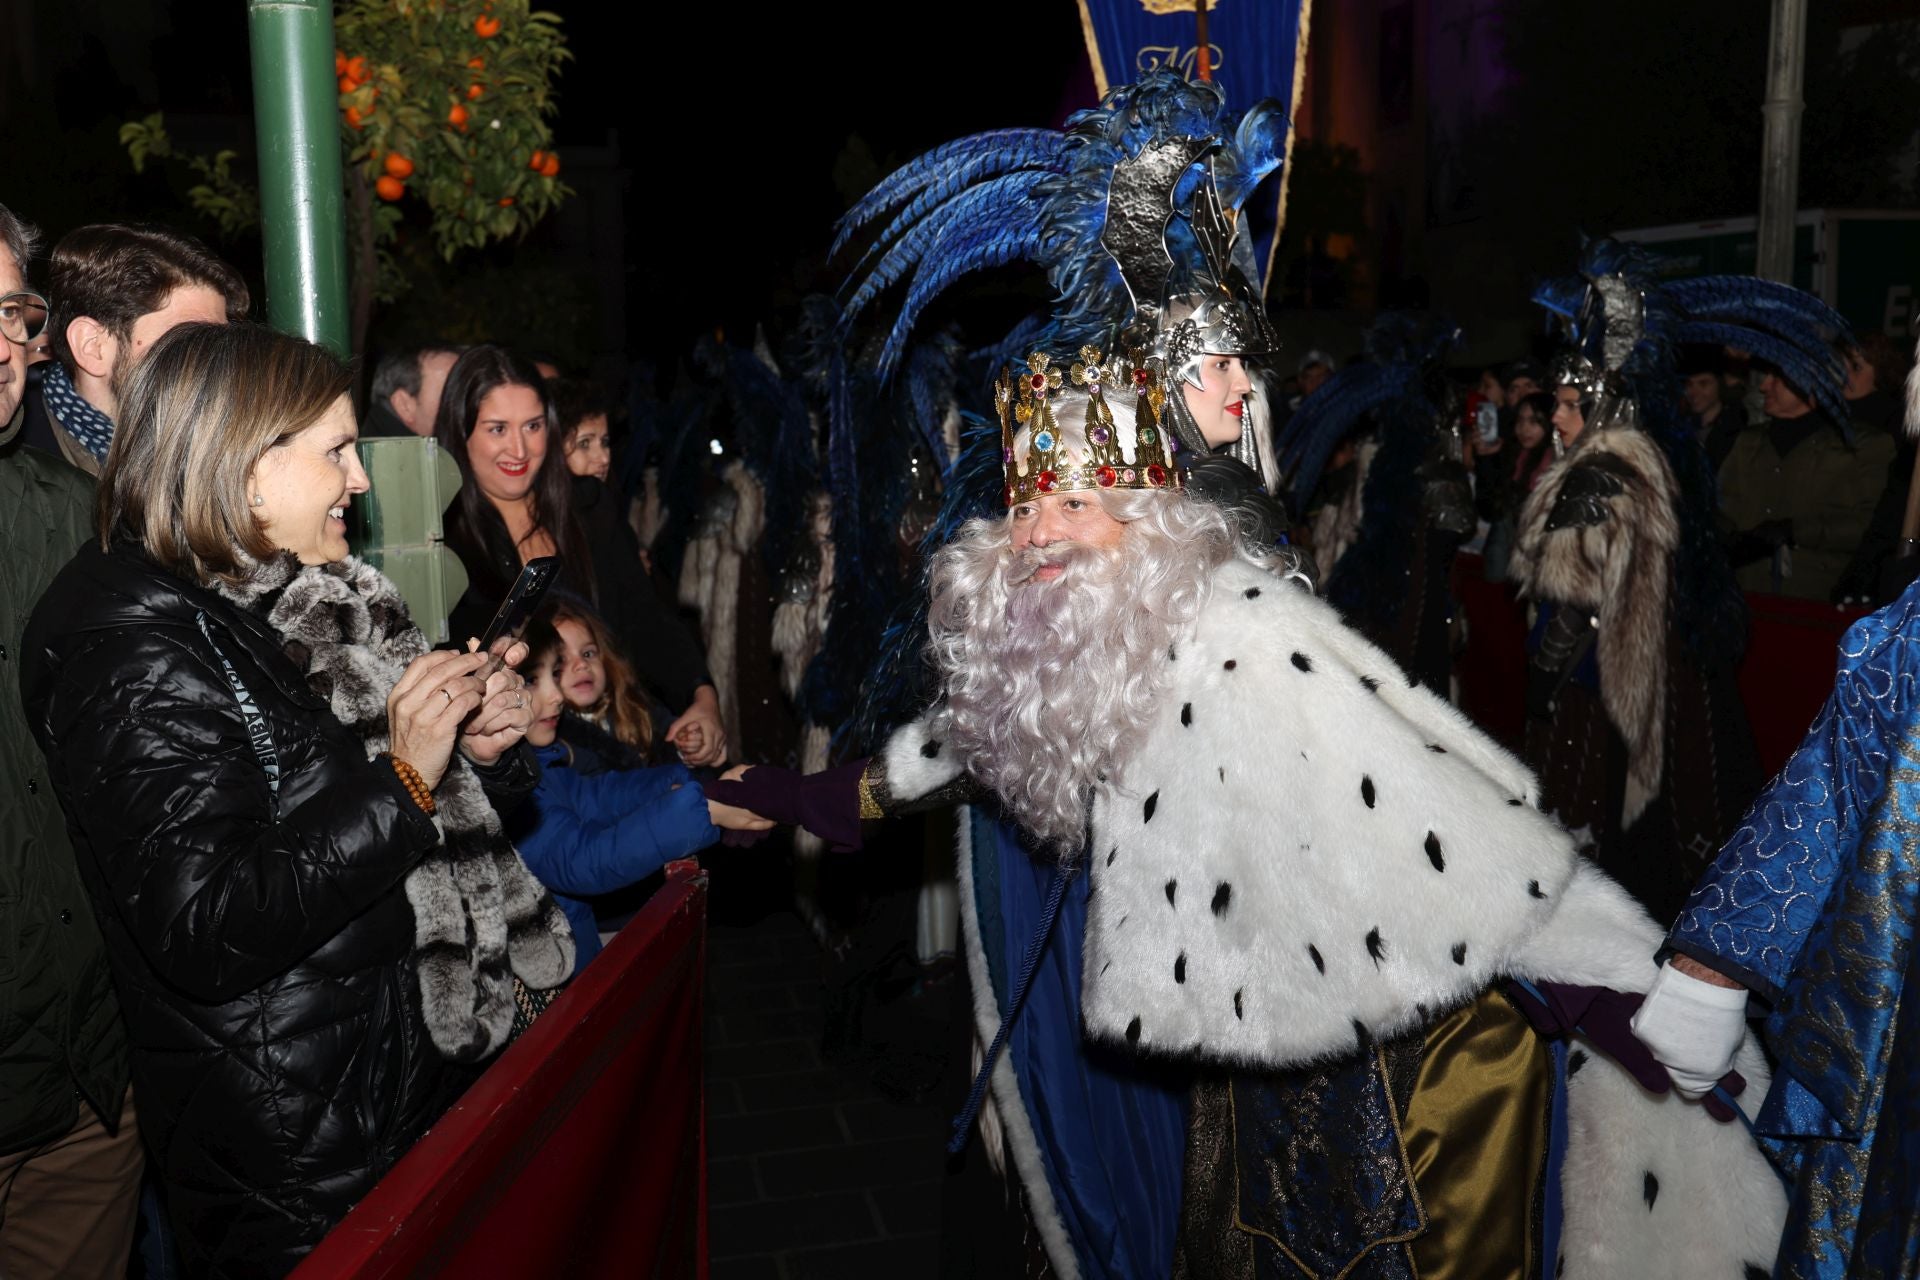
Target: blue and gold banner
(1257,49)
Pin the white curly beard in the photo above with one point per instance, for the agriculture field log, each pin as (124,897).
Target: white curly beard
(1051,683)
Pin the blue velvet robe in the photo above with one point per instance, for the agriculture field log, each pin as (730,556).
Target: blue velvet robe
(1111,1129)
(1812,904)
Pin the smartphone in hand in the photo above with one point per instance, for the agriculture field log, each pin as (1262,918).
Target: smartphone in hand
(529,589)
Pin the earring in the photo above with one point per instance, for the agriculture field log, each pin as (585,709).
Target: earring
(258,501)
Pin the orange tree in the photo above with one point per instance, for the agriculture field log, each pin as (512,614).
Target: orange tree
(445,109)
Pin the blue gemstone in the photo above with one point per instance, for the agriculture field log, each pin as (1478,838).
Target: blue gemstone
(1043,441)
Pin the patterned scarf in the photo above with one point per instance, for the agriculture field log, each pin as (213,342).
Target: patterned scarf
(92,428)
(480,917)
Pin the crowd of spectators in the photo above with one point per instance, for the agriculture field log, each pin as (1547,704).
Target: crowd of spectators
(233,770)
(1809,506)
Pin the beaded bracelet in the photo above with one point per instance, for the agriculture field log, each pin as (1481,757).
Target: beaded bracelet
(416,785)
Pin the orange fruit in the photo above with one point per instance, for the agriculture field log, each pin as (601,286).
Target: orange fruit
(551,169)
(476,64)
(339,63)
(538,162)
(398,165)
(473,92)
(390,188)
(347,86)
(457,117)
(354,118)
(357,69)
(505,201)
(486,28)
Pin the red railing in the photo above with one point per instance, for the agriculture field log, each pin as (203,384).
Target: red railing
(1786,674)
(582,1151)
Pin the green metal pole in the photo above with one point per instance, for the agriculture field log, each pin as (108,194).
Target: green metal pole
(297,118)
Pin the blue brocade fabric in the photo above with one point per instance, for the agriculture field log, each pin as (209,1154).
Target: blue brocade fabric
(1323,1185)
(1111,1129)
(1813,903)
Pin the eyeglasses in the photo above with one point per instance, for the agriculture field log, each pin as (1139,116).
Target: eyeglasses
(23,316)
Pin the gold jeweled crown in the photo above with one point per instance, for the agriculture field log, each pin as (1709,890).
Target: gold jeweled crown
(1059,462)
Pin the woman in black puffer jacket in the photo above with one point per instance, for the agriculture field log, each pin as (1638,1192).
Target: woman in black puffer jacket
(274,893)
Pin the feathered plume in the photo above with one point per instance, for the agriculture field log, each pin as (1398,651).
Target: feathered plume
(1040,196)
(1401,351)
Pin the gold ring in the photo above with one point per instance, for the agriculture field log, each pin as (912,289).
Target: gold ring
(449,694)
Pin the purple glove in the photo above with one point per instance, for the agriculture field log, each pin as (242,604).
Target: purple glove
(1601,1015)
(826,803)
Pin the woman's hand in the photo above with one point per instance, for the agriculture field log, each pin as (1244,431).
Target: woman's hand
(697,734)
(424,711)
(507,711)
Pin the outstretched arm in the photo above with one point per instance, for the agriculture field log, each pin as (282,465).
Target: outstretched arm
(913,772)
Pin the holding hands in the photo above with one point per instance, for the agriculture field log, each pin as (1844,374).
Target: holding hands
(698,734)
(731,817)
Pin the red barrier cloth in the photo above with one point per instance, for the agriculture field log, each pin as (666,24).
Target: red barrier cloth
(582,1151)
(1492,670)
(1786,674)
(1792,646)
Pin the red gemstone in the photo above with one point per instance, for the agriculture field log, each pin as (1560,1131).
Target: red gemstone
(1045,481)
(1105,477)
(1157,474)
(1038,382)
(1140,377)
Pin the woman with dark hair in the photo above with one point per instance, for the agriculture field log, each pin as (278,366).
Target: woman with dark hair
(518,500)
(1505,474)
(275,791)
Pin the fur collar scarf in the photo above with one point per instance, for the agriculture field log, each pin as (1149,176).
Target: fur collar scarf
(1618,569)
(480,917)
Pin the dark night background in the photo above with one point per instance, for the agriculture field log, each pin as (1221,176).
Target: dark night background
(737,126)
(743,132)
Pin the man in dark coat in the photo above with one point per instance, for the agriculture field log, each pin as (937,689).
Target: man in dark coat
(70,1155)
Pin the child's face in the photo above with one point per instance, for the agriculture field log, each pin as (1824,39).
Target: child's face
(583,672)
(543,687)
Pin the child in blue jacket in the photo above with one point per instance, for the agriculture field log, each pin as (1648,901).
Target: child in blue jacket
(591,828)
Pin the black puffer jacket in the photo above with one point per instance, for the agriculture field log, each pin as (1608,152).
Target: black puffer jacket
(260,948)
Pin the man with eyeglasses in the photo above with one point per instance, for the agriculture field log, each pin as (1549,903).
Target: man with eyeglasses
(70,1156)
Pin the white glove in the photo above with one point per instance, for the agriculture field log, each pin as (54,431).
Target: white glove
(1692,1028)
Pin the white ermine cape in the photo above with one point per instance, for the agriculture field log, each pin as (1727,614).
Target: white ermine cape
(1307,848)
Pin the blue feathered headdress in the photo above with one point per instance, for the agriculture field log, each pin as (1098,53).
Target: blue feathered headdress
(1394,382)
(1775,323)
(1040,195)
